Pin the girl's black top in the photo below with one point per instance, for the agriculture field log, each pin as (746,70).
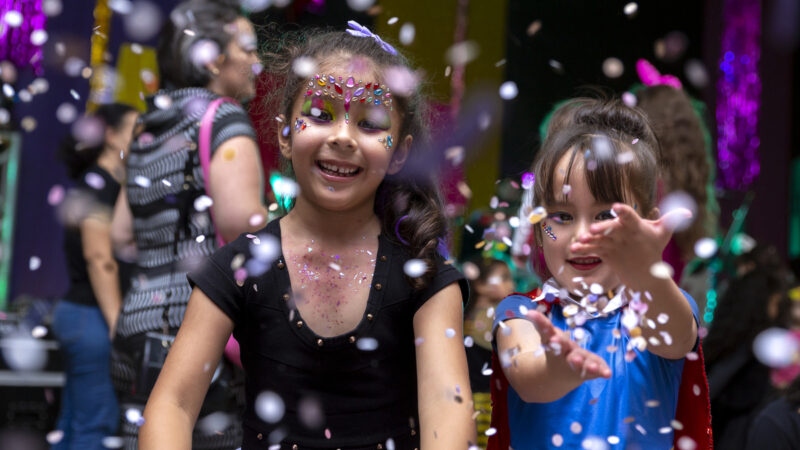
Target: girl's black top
(334,394)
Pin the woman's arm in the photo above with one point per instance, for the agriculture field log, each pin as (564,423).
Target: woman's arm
(445,398)
(236,186)
(124,243)
(175,402)
(540,376)
(101,266)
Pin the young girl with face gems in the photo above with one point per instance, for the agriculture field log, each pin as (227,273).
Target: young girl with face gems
(605,364)
(349,319)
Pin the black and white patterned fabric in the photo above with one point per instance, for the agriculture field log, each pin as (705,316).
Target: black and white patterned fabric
(172,228)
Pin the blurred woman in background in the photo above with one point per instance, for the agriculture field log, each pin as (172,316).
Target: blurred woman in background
(85,319)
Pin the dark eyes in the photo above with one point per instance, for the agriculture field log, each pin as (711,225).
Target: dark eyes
(560,217)
(606,215)
(565,218)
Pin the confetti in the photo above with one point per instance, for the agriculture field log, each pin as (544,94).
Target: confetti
(407,34)
(66,113)
(508,90)
(54,437)
(537,215)
(34,263)
(55,195)
(450,332)
(775,347)
(630,9)
(534,27)
(13,19)
(327,433)
(202,203)
(415,268)
(661,270)
(367,344)
(613,440)
(204,52)
(696,73)
(113,442)
(28,123)
(392,20)
(52,7)
(38,37)
(686,443)
(401,80)
(304,66)
(613,67)
(269,407)
(143,21)
(705,247)
(360,5)
(39,331)
(557,440)
(142,181)
(462,53)
(255,5)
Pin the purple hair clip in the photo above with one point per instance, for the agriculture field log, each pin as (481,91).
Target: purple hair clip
(362,31)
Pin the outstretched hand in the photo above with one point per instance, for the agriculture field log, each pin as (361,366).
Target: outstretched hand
(629,243)
(582,362)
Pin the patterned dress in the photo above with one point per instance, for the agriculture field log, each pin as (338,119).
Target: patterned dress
(173,232)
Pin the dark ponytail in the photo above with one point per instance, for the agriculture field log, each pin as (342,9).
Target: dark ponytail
(77,156)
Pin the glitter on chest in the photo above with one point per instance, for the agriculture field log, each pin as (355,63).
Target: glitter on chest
(332,283)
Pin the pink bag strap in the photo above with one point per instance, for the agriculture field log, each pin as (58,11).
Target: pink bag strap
(204,147)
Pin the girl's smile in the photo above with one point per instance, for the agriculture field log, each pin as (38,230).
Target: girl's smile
(338,145)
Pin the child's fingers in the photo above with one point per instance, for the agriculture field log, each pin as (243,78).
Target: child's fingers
(625,214)
(543,325)
(605,227)
(675,218)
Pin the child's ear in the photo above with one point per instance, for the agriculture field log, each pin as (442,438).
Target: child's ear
(400,155)
(284,141)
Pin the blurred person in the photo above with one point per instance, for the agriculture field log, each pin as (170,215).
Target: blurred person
(207,51)
(777,427)
(686,165)
(788,312)
(493,284)
(85,319)
(739,383)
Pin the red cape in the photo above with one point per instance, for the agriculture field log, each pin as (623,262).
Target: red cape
(693,412)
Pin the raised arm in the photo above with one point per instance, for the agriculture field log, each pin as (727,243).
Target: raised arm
(633,245)
(236,185)
(175,402)
(445,398)
(540,376)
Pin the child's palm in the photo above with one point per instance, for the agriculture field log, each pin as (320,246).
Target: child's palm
(581,361)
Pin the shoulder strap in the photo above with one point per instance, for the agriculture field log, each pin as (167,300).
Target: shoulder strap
(204,149)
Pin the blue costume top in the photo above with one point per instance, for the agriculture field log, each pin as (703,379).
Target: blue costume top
(632,409)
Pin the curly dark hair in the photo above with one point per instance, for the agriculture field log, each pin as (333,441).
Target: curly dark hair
(573,129)
(78,157)
(408,201)
(685,162)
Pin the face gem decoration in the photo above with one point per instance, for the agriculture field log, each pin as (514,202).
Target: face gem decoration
(387,142)
(548,230)
(299,125)
(349,91)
